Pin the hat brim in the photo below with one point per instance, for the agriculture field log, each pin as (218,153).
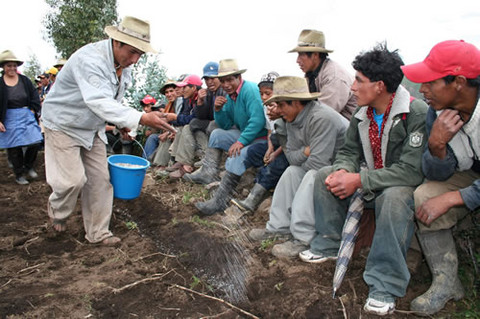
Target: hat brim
(11,60)
(210,75)
(224,74)
(293,96)
(420,73)
(162,90)
(143,46)
(310,49)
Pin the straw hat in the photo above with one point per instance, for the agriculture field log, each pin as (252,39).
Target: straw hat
(287,88)
(167,84)
(8,56)
(132,31)
(60,62)
(311,41)
(228,67)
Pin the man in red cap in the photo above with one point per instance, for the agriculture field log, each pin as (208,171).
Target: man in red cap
(190,87)
(450,77)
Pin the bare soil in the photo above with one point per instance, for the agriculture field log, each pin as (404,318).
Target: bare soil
(170,263)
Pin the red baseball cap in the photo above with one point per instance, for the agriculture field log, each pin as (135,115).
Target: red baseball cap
(148,99)
(191,79)
(452,57)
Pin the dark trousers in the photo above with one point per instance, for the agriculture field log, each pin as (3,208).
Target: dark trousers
(268,175)
(22,160)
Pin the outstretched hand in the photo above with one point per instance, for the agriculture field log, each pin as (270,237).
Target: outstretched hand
(157,120)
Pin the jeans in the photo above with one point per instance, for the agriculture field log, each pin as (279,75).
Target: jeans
(386,271)
(150,146)
(223,139)
(268,175)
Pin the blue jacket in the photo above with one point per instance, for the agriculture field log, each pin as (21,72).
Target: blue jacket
(246,113)
(438,169)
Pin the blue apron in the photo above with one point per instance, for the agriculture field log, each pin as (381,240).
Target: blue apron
(21,127)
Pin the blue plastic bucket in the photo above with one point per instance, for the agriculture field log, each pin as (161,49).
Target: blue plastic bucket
(127,173)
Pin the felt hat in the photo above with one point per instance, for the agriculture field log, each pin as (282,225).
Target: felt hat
(8,56)
(60,62)
(169,83)
(289,88)
(228,67)
(311,41)
(132,31)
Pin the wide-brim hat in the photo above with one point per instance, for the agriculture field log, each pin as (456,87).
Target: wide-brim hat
(311,41)
(132,31)
(228,67)
(289,88)
(8,56)
(60,62)
(167,84)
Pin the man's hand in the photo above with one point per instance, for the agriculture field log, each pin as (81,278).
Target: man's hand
(235,149)
(342,183)
(272,111)
(202,93)
(435,207)
(163,137)
(124,132)
(447,124)
(2,127)
(157,120)
(306,151)
(219,103)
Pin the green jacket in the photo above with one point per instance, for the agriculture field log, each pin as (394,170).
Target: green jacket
(403,142)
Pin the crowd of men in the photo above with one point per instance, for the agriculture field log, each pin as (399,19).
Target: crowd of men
(316,140)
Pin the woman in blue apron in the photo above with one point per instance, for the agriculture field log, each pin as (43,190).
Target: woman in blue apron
(19,109)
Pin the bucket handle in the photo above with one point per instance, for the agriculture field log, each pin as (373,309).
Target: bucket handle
(134,140)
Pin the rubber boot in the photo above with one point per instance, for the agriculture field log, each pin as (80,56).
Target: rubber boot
(441,255)
(222,196)
(208,173)
(250,204)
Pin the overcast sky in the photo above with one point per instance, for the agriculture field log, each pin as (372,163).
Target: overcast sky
(259,33)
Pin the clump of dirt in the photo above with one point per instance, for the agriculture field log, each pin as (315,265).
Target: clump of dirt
(170,263)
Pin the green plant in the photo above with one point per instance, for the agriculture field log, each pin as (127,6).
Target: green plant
(174,221)
(196,219)
(278,286)
(266,243)
(196,281)
(131,225)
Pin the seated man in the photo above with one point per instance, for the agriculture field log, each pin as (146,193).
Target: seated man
(190,87)
(450,77)
(242,108)
(314,134)
(387,132)
(270,158)
(194,137)
(157,146)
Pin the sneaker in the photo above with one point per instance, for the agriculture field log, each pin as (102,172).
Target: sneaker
(21,180)
(379,308)
(259,234)
(289,249)
(31,172)
(309,257)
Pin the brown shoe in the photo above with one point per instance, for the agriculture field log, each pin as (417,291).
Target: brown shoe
(174,167)
(177,174)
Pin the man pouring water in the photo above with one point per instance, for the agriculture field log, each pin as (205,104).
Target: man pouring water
(87,94)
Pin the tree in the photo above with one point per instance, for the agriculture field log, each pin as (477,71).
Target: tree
(73,23)
(147,78)
(32,68)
